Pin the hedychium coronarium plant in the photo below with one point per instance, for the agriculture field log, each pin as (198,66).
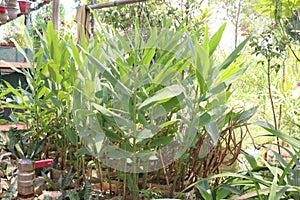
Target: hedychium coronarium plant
(145,97)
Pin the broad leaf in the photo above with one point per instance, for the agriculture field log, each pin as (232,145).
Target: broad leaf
(163,94)
(161,141)
(213,131)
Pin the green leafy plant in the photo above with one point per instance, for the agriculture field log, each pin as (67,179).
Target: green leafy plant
(259,181)
(138,94)
(276,48)
(129,72)
(151,103)
(44,107)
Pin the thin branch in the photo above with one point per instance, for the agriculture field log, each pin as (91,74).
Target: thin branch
(113,3)
(295,55)
(236,24)
(271,95)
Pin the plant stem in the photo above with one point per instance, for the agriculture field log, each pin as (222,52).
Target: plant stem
(283,87)
(164,170)
(125,176)
(271,100)
(125,182)
(109,181)
(178,172)
(270,94)
(236,24)
(83,167)
(77,159)
(135,175)
(145,179)
(64,151)
(100,174)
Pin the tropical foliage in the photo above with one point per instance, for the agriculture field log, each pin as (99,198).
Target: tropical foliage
(149,108)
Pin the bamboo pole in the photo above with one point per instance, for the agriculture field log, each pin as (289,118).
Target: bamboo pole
(55,14)
(114,3)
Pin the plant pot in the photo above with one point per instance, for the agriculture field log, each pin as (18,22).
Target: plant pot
(24,7)
(3,14)
(11,44)
(12,9)
(12,13)
(12,4)
(3,10)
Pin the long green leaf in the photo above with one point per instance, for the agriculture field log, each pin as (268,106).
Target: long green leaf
(245,115)
(251,160)
(290,140)
(107,74)
(28,40)
(21,50)
(234,71)
(202,61)
(215,40)
(229,188)
(205,39)
(114,117)
(233,175)
(281,192)
(273,186)
(266,191)
(234,54)
(204,191)
(286,170)
(149,49)
(236,175)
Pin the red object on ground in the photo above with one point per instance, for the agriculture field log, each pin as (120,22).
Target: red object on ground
(43,163)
